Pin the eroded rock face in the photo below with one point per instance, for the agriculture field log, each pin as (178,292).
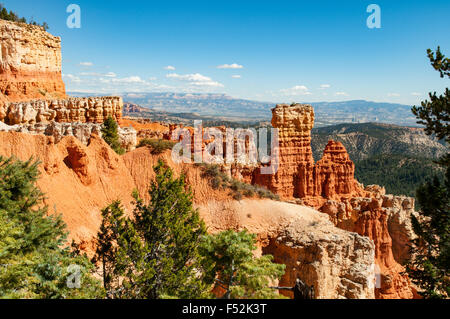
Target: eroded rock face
(295,163)
(82,131)
(298,176)
(339,264)
(83,110)
(334,173)
(30,63)
(399,210)
(385,219)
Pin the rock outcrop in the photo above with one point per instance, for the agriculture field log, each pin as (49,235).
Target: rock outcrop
(30,63)
(295,162)
(83,110)
(298,176)
(337,263)
(82,131)
(383,219)
(334,174)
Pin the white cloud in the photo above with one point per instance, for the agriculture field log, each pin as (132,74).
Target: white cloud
(71,78)
(230,66)
(86,63)
(341,93)
(325,86)
(296,90)
(195,79)
(393,94)
(130,79)
(108,75)
(236,76)
(416,94)
(170,68)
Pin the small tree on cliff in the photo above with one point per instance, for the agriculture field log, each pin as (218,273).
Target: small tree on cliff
(154,254)
(110,133)
(33,260)
(429,267)
(112,226)
(231,266)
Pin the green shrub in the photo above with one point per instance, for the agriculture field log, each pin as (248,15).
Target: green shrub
(110,133)
(237,196)
(219,179)
(157,146)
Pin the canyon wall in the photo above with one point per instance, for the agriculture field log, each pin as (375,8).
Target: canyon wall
(79,180)
(30,63)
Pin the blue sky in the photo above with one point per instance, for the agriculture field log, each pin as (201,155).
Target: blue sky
(278,51)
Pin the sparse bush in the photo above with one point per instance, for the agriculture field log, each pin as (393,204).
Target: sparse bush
(219,179)
(237,196)
(216,182)
(265,193)
(157,146)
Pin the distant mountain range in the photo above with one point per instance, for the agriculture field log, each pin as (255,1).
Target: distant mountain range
(225,107)
(365,140)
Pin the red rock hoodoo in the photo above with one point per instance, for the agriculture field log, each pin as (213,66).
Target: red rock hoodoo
(297,175)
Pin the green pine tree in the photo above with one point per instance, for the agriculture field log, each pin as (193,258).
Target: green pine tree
(429,266)
(231,266)
(153,254)
(33,260)
(110,133)
(106,253)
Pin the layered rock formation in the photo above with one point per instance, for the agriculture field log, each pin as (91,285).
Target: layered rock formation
(30,63)
(32,93)
(334,174)
(295,162)
(82,131)
(297,175)
(82,110)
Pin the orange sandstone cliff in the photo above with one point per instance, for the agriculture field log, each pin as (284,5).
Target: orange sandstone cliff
(80,180)
(30,63)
